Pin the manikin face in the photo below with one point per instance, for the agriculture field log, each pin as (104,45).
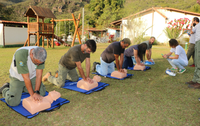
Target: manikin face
(151,40)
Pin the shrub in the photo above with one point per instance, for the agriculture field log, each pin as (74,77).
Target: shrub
(177,27)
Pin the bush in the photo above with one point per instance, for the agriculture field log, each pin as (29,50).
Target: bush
(177,27)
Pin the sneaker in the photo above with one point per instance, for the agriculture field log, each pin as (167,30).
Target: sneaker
(195,86)
(170,73)
(181,71)
(199,99)
(190,82)
(94,66)
(4,86)
(193,65)
(174,69)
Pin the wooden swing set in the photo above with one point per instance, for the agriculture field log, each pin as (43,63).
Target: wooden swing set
(76,27)
(41,29)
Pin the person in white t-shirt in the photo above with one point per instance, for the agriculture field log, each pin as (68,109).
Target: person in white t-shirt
(179,60)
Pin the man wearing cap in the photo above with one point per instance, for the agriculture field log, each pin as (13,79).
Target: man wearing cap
(149,46)
(111,54)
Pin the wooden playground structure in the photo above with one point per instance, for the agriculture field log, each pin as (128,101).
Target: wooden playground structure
(41,29)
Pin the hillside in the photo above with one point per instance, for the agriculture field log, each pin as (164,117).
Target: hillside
(137,5)
(58,7)
(64,8)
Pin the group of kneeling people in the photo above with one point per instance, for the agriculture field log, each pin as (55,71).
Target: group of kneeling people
(28,63)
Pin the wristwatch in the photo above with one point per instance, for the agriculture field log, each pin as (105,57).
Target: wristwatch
(38,92)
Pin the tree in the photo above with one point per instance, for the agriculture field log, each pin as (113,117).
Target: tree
(5,12)
(103,12)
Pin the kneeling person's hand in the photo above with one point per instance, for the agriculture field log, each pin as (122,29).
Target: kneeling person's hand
(90,80)
(37,97)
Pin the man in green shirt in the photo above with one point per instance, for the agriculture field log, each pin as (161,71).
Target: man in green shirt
(69,61)
(149,47)
(25,75)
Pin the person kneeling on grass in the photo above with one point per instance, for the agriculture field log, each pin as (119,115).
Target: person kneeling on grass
(149,48)
(68,63)
(138,51)
(111,54)
(25,75)
(179,60)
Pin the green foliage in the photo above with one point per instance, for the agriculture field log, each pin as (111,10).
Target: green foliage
(5,12)
(172,33)
(103,12)
(195,8)
(98,13)
(47,20)
(65,28)
(177,28)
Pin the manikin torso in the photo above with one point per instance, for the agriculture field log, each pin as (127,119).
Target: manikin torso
(34,106)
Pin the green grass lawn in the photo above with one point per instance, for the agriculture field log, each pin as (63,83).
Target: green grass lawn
(149,98)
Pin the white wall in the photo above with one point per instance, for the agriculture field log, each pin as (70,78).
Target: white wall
(148,20)
(132,28)
(1,34)
(158,27)
(16,35)
(160,23)
(146,26)
(176,15)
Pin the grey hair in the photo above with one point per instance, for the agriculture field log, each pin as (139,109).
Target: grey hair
(40,54)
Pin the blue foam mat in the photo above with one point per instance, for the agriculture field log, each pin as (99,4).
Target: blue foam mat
(21,110)
(149,63)
(73,86)
(146,68)
(109,76)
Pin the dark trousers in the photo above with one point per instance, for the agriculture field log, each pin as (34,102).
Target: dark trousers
(128,62)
